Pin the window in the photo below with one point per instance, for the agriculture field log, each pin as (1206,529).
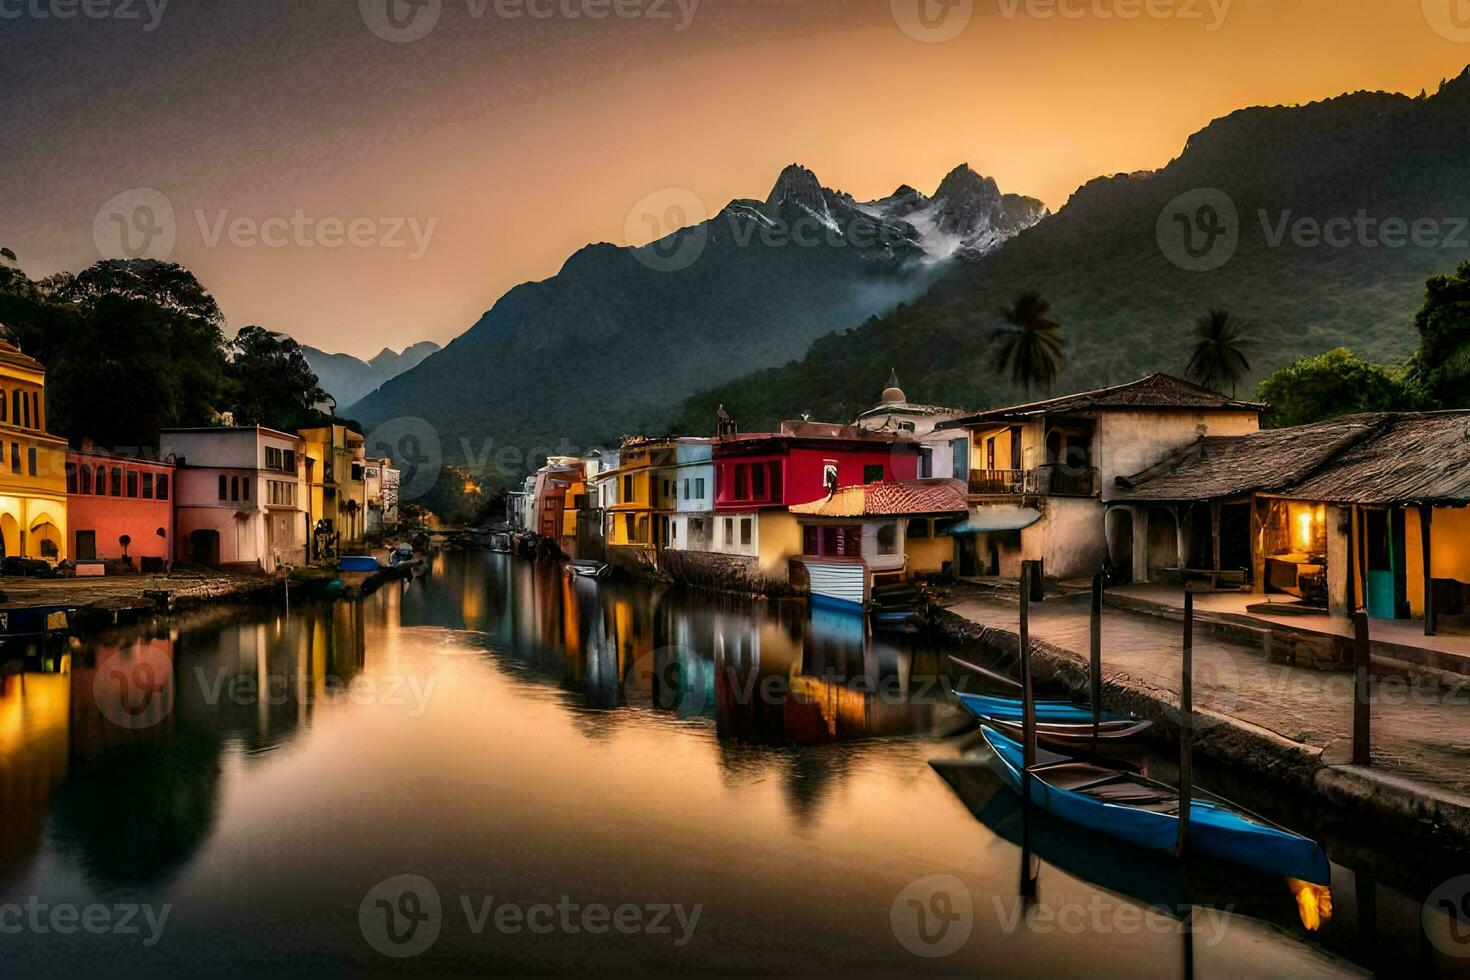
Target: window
(961,449)
(15,406)
(745,529)
(163,486)
(729,532)
(4,415)
(25,408)
(234,488)
(132,483)
(686,488)
(758,483)
(84,479)
(245,488)
(357,471)
(905,427)
(742,483)
(919,528)
(117,482)
(15,457)
(31,461)
(873,473)
(699,488)
(841,541)
(100,487)
(36,408)
(224,487)
(888,538)
(281,493)
(627,489)
(272,458)
(926,462)
(148,486)
(628,527)
(71,477)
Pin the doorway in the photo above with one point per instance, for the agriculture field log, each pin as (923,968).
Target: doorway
(204,547)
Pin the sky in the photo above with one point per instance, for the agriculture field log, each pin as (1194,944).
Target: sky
(371,173)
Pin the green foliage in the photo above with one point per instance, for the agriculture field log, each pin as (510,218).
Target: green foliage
(269,381)
(1439,372)
(1217,360)
(1338,382)
(1029,344)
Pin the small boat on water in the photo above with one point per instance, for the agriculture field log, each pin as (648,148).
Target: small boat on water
(1063,724)
(500,542)
(1002,708)
(358,563)
(589,568)
(1143,811)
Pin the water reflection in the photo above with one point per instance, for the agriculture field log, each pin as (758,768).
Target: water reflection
(596,739)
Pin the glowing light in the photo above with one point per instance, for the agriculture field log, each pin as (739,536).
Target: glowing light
(1313,902)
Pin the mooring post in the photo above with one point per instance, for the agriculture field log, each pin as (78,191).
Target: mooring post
(1095,663)
(1028,705)
(1186,723)
(1361,693)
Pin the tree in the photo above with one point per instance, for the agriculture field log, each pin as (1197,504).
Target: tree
(1335,383)
(1217,360)
(1029,343)
(270,382)
(1439,373)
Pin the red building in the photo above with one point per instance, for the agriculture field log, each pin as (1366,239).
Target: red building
(109,497)
(805,461)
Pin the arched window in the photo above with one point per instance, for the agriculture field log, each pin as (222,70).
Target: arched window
(84,481)
(71,477)
(101,479)
(117,481)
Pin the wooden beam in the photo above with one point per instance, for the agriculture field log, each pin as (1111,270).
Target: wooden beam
(1258,546)
(1095,659)
(1426,518)
(1186,724)
(1363,552)
(1362,695)
(1215,533)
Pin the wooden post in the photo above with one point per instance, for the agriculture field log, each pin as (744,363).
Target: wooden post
(1361,694)
(1426,517)
(1186,724)
(1215,536)
(1363,552)
(1258,550)
(1038,581)
(1028,705)
(1352,549)
(1095,663)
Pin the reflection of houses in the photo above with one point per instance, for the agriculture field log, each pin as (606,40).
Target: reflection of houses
(32,463)
(1037,470)
(1303,511)
(866,534)
(239,496)
(110,497)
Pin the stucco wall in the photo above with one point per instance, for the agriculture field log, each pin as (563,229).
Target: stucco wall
(1127,442)
(1069,537)
(1449,551)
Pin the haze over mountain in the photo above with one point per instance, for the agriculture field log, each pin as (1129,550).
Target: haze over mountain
(1318,222)
(347,378)
(619,337)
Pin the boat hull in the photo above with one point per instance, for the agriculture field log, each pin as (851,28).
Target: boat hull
(985,706)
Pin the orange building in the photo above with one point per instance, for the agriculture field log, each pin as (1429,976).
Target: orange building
(111,497)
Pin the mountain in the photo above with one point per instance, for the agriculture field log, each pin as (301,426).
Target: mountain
(619,337)
(1320,223)
(347,378)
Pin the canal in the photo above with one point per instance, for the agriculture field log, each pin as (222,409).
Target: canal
(496,768)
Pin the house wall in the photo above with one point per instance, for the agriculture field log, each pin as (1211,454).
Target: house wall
(940,445)
(1069,539)
(109,517)
(1449,551)
(1129,441)
(928,555)
(778,540)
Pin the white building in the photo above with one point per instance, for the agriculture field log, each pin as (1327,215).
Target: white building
(380,483)
(943,453)
(690,485)
(240,496)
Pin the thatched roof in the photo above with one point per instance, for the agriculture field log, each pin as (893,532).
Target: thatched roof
(1154,391)
(1383,459)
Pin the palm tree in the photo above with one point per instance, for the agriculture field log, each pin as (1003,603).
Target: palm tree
(1029,343)
(1217,359)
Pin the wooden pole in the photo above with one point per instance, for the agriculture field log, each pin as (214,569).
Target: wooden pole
(1363,552)
(1095,663)
(1352,549)
(1361,694)
(1426,516)
(1028,704)
(1186,724)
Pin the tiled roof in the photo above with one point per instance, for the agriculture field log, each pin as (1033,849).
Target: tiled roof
(1156,390)
(892,498)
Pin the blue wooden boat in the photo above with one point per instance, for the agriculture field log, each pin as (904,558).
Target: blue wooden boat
(1003,708)
(358,563)
(1145,812)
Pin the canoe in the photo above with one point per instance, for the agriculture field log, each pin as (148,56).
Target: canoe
(1003,708)
(357,563)
(1143,811)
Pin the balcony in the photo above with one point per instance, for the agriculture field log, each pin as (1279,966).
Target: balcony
(1049,479)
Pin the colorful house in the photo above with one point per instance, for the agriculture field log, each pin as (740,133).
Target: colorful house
(380,493)
(336,465)
(943,453)
(687,487)
(1037,470)
(867,534)
(32,463)
(633,526)
(119,506)
(240,496)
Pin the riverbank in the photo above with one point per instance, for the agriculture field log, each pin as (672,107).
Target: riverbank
(108,600)
(1288,725)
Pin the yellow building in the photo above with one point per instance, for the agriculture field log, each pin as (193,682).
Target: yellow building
(631,521)
(32,463)
(335,461)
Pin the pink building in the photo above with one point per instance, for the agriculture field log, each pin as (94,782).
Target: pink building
(110,497)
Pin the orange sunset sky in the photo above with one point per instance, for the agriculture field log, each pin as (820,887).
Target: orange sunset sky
(522,140)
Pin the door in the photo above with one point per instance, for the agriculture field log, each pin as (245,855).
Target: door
(204,546)
(1387,590)
(86,549)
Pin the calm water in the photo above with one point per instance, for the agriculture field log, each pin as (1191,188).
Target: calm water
(580,777)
